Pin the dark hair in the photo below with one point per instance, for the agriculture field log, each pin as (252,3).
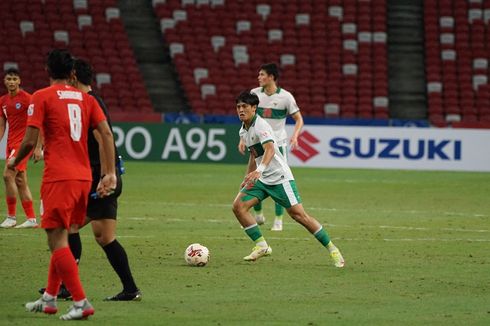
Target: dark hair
(248,98)
(12,71)
(83,71)
(59,64)
(271,69)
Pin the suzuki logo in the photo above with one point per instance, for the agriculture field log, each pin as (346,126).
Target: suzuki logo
(305,151)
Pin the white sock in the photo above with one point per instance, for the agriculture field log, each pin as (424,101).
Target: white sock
(48,297)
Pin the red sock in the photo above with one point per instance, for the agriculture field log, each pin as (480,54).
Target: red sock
(54,280)
(28,208)
(11,205)
(67,268)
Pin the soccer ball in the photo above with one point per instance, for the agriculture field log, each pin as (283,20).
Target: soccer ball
(196,255)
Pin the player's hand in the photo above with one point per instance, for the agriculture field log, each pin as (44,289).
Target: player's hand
(107,185)
(251,178)
(10,163)
(37,155)
(293,142)
(242,147)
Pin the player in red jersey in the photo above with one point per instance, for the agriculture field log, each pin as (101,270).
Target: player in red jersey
(64,114)
(14,111)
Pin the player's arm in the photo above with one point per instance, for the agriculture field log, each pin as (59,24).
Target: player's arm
(98,138)
(241,146)
(254,175)
(37,154)
(107,183)
(28,143)
(2,126)
(298,125)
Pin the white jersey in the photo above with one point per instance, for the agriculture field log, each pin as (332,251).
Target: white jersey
(275,109)
(259,133)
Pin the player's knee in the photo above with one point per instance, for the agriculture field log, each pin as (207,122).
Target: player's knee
(238,207)
(19,181)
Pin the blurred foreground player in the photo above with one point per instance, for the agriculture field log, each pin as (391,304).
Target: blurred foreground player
(64,114)
(101,212)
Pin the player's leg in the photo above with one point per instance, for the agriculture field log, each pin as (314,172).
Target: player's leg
(25,197)
(10,197)
(279,210)
(245,200)
(288,196)
(105,235)
(259,214)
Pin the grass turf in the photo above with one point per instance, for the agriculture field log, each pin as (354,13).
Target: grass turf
(416,247)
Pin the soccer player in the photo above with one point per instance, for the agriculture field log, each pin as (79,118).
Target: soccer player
(14,111)
(275,105)
(64,114)
(269,175)
(101,212)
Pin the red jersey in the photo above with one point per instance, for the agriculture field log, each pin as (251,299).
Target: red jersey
(14,111)
(64,114)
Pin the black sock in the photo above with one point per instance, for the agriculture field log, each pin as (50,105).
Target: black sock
(119,261)
(75,245)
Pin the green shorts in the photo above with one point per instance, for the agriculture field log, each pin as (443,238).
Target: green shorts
(285,194)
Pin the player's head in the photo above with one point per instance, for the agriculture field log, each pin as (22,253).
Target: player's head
(83,72)
(11,79)
(59,64)
(246,105)
(268,73)
(248,98)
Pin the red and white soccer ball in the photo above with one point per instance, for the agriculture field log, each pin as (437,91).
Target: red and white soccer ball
(196,255)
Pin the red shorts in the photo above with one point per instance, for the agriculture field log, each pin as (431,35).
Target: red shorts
(64,203)
(12,151)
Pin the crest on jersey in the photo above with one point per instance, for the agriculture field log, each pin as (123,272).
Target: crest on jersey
(18,106)
(30,109)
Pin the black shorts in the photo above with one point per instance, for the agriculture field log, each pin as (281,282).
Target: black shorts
(103,208)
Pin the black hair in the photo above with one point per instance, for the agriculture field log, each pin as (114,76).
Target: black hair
(12,71)
(248,98)
(271,69)
(59,64)
(83,71)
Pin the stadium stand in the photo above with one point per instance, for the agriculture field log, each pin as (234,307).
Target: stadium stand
(333,53)
(91,30)
(457,52)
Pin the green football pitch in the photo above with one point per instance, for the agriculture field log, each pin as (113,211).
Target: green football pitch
(416,244)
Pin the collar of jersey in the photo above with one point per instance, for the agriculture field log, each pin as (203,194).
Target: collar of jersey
(253,122)
(276,92)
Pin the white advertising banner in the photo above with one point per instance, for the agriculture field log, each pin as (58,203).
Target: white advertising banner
(392,148)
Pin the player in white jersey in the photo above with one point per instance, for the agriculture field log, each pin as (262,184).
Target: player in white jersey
(275,105)
(268,174)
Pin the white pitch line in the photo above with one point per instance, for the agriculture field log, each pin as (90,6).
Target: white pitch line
(328,209)
(406,228)
(18,234)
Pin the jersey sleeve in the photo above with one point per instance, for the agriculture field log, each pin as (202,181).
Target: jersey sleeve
(292,105)
(264,132)
(35,111)
(96,113)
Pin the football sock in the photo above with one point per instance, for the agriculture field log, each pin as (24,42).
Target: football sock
(322,236)
(253,232)
(28,209)
(279,211)
(67,269)
(119,260)
(258,209)
(75,245)
(54,280)
(11,206)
